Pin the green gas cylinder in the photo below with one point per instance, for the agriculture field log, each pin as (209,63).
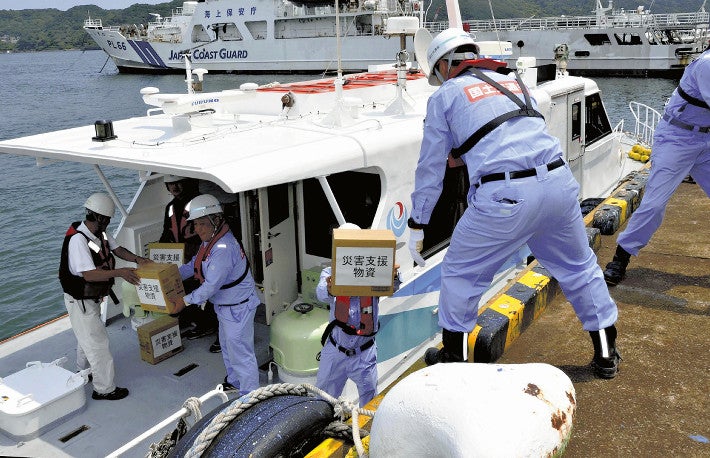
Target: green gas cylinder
(295,340)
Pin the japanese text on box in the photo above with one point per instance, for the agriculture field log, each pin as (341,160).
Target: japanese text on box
(149,292)
(165,341)
(363,266)
(166,255)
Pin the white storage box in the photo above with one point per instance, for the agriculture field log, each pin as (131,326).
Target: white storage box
(37,398)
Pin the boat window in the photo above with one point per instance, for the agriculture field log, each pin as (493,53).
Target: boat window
(581,54)
(257,29)
(227,32)
(358,195)
(449,209)
(199,34)
(628,39)
(597,123)
(597,39)
(278,204)
(576,120)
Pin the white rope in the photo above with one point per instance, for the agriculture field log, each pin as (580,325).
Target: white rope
(342,408)
(192,405)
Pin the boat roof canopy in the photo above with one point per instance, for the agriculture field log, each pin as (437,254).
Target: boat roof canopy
(223,155)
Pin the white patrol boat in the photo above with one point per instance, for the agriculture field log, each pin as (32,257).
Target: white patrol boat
(261,36)
(609,42)
(292,161)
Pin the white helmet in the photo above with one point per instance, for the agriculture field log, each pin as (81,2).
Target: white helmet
(443,44)
(172,178)
(100,203)
(349,226)
(203,205)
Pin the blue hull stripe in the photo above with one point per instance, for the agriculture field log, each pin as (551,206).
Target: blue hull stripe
(147,53)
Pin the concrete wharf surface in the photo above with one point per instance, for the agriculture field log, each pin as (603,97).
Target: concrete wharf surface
(659,403)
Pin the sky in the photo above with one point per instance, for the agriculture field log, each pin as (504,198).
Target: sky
(66,4)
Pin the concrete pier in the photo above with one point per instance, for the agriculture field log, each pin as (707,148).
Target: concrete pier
(658,404)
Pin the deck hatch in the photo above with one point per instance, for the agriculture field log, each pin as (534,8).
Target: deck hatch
(74,433)
(186,369)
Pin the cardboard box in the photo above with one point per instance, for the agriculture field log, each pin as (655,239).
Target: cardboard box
(171,253)
(159,282)
(159,339)
(363,262)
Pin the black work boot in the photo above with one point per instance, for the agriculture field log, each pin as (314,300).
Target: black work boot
(606,357)
(616,269)
(454,350)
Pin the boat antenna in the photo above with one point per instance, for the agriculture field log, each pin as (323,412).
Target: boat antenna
(339,116)
(493,18)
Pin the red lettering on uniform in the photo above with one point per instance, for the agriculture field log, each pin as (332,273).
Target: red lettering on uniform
(479,91)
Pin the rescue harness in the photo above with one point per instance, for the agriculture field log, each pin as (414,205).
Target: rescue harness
(366,328)
(692,100)
(525,108)
(204,252)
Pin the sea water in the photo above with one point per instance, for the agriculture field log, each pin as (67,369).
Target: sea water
(47,91)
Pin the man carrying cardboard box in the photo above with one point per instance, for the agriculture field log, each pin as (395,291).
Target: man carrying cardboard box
(226,282)
(87,270)
(349,347)
(176,229)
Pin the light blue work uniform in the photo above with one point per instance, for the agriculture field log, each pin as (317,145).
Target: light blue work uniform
(336,367)
(681,147)
(235,308)
(541,210)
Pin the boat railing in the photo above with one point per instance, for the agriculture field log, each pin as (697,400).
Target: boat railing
(676,20)
(93,23)
(646,119)
(171,420)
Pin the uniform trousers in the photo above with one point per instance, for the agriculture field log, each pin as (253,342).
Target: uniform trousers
(542,211)
(236,335)
(93,343)
(336,368)
(676,154)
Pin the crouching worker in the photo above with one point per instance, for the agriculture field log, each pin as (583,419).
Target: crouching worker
(349,347)
(226,282)
(87,270)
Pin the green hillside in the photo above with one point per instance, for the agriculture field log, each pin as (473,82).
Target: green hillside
(51,29)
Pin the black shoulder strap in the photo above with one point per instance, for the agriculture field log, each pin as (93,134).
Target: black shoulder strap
(526,109)
(243,275)
(692,100)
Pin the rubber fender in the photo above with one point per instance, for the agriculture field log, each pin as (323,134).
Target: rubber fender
(287,425)
(607,219)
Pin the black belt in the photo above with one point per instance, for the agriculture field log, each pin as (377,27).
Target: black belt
(352,351)
(682,125)
(519,173)
(233,305)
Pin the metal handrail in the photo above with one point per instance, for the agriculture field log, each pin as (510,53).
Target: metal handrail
(647,119)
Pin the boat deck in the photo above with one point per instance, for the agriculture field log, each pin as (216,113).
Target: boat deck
(156,391)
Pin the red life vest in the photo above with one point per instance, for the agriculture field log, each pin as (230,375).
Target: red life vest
(178,225)
(367,320)
(204,252)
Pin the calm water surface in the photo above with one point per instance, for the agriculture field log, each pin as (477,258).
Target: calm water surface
(43,92)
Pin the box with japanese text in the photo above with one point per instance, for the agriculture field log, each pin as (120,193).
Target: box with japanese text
(172,253)
(363,262)
(159,339)
(159,283)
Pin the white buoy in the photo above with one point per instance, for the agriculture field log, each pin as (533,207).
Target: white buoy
(472,410)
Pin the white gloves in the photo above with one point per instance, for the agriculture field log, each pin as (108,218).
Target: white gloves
(416,243)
